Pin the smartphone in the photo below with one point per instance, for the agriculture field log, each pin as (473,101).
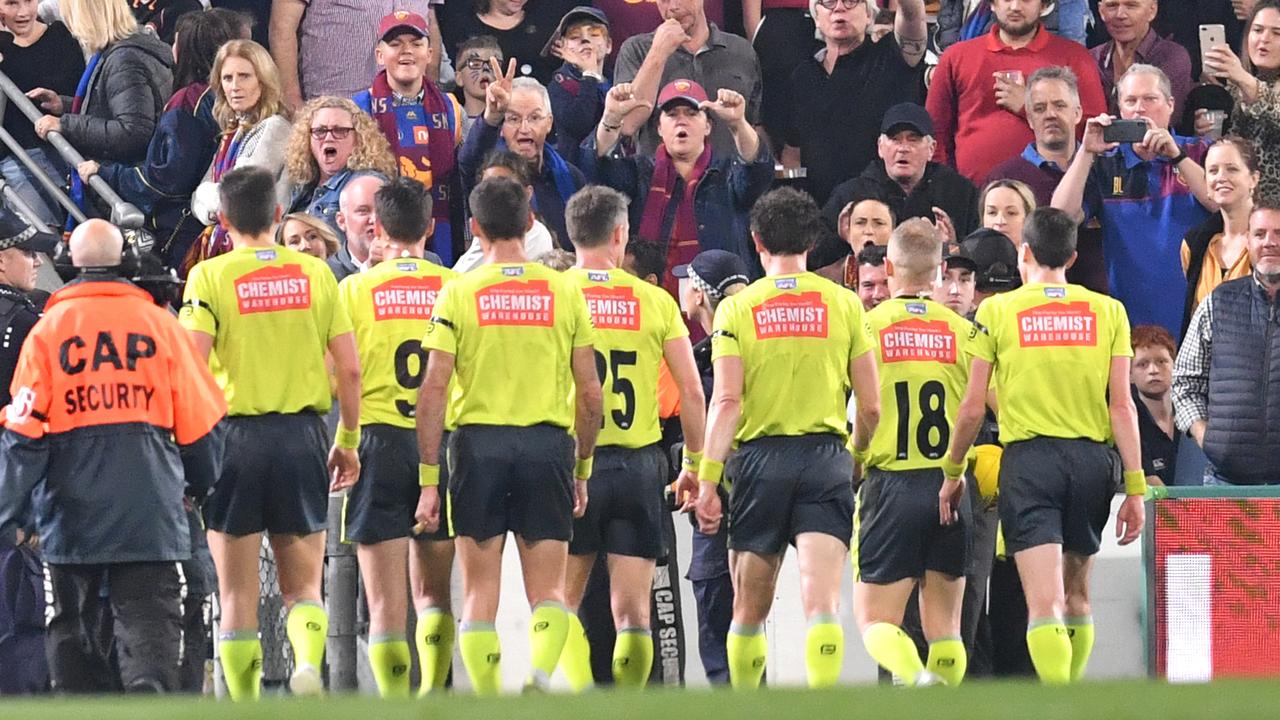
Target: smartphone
(1125,131)
(1211,36)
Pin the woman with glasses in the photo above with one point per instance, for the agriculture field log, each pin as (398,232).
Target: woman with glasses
(250,110)
(332,142)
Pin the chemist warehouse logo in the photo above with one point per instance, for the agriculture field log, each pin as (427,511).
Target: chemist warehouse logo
(613,308)
(406,298)
(528,304)
(1058,325)
(918,341)
(273,288)
(791,315)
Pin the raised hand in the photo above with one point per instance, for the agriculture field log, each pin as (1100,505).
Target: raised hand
(498,95)
(729,106)
(620,102)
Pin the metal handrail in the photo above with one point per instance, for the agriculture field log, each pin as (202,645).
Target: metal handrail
(124,214)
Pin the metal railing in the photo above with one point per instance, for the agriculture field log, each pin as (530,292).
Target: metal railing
(124,214)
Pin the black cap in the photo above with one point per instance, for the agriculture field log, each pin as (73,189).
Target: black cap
(955,256)
(906,116)
(17,233)
(995,259)
(581,13)
(717,268)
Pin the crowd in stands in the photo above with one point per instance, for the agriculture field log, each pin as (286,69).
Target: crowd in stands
(968,113)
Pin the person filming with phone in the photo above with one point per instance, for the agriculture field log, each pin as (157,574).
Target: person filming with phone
(1251,78)
(1147,188)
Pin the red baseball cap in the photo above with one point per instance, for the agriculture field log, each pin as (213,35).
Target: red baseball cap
(683,91)
(401,20)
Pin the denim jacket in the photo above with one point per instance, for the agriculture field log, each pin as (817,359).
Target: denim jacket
(721,203)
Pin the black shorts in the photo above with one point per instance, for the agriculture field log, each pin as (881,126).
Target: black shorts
(785,486)
(274,477)
(899,535)
(624,504)
(381,506)
(517,479)
(1056,491)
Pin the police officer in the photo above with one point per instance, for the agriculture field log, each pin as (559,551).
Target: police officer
(96,422)
(20,248)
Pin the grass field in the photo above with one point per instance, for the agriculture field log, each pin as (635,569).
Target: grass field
(976,701)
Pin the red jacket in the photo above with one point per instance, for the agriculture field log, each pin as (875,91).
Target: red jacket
(974,134)
(113,416)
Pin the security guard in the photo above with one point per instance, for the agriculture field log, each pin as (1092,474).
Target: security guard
(112,415)
(20,248)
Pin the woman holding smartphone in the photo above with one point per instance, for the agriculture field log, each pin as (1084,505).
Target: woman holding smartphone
(1252,81)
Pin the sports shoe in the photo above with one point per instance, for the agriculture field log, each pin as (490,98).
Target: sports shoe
(306,681)
(926,679)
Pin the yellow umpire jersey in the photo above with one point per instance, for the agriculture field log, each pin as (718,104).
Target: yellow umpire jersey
(1052,347)
(633,322)
(272,312)
(796,335)
(512,328)
(922,351)
(390,306)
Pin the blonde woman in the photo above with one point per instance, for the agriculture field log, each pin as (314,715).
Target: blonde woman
(1005,205)
(255,127)
(307,234)
(332,142)
(126,82)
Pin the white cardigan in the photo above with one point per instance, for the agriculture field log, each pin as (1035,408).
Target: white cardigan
(265,147)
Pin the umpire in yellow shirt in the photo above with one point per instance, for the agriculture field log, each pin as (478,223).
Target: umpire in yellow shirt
(266,314)
(518,339)
(1060,355)
(787,350)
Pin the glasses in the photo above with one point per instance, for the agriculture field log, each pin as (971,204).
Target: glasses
(831,4)
(338,133)
(476,62)
(517,121)
(592,32)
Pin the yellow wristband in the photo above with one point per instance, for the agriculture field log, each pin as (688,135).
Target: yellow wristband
(690,460)
(428,475)
(582,470)
(1135,482)
(347,439)
(950,469)
(710,471)
(860,456)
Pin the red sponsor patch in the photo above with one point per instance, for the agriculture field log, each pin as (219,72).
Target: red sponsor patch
(918,340)
(406,298)
(613,308)
(421,135)
(791,315)
(1071,324)
(273,288)
(515,302)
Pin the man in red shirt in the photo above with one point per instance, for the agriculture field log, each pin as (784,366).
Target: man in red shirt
(978,91)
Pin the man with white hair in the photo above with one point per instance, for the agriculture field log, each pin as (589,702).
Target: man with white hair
(1147,195)
(356,218)
(518,117)
(839,95)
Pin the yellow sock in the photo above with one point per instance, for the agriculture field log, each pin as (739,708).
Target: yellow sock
(948,660)
(240,654)
(1080,632)
(548,629)
(575,659)
(894,650)
(747,648)
(389,660)
(434,637)
(481,656)
(1050,650)
(307,627)
(632,657)
(824,651)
